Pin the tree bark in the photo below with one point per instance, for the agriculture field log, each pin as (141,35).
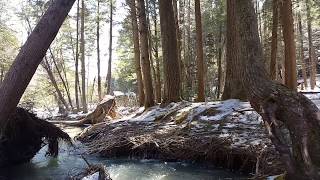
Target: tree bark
(156,54)
(76,83)
(1,74)
(200,61)
(98,51)
(135,33)
(274,41)
(153,70)
(170,52)
(176,21)
(187,54)
(233,88)
(312,59)
(181,43)
(303,63)
(219,62)
(83,65)
(291,119)
(108,83)
(290,45)
(30,56)
(145,60)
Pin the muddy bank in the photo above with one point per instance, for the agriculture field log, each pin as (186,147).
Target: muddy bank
(227,134)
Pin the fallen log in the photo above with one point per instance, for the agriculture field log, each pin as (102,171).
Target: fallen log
(104,109)
(24,135)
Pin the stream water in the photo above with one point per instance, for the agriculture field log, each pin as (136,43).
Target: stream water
(69,162)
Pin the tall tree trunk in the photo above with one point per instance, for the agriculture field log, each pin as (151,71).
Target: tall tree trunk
(30,56)
(312,59)
(54,83)
(233,88)
(145,61)
(153,70)
(219,61)
(292,119)
(108,83)
(290,45)
(303,63)
(76,83)
(98,51)
(200,61)
(181,29)
(188,52)
(83,65)
(170,52)
(135,33)
(274,41)
(156,54)
(176,20)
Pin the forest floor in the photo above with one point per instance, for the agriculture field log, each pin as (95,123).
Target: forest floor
(227,134)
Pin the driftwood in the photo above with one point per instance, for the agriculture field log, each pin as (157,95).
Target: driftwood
(25,135)
(103,109)
(92,172)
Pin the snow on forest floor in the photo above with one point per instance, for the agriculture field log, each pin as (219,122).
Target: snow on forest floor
(184,130)
(230,119)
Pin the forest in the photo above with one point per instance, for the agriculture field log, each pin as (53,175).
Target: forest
(159,89)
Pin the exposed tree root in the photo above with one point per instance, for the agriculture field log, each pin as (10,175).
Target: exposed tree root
(24,135)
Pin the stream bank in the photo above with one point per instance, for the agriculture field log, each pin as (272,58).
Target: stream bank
(69,163)
(225,134)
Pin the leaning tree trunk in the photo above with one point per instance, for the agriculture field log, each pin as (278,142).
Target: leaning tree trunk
(292,120)
(30,56)
(64,83)
(54,83)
